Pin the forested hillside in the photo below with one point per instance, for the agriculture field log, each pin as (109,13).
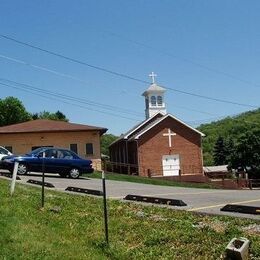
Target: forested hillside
(229,133)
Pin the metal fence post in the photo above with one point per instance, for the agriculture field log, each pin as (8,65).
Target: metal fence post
(43,177)
(16,164)
(105,206)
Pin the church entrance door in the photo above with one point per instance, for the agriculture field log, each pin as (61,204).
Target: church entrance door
(171,165)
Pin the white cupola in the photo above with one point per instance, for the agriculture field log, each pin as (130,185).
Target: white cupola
(154,99)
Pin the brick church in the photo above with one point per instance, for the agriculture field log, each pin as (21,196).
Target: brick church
(160,146)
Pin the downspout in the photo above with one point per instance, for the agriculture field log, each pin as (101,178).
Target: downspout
(128,167)
(137,154)
(201,151)
(126,147)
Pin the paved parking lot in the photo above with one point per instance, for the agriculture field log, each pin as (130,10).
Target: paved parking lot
(197,200)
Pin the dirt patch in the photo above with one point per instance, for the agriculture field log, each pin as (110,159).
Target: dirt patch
(217,226)
(252,229)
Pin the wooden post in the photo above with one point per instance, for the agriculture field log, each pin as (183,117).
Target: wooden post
(16,164)
(149,173)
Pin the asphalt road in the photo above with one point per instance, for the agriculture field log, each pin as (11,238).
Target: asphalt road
(197,200)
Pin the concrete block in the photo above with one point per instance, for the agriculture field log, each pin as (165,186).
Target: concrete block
(237,249)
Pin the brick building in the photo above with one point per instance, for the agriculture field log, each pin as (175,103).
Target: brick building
(161,145)
(82,139)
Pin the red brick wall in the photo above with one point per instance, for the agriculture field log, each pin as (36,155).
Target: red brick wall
(153,145)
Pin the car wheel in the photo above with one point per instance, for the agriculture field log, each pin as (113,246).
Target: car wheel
(74,173)
(22,169)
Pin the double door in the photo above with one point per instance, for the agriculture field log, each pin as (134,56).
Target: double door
(171,165)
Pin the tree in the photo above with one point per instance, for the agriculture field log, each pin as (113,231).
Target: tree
(246,154)
(106,140)
(220,152)
(12,111)
(230,149)
(60,116)
(229,128)
(52,116)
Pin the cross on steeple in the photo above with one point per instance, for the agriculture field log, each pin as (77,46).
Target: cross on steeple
(153,75)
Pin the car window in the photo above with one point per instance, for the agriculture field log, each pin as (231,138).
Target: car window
(51,153)
(54,154)
(60,154)
(67,155)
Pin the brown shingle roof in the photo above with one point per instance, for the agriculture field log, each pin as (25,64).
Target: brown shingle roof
(43,125)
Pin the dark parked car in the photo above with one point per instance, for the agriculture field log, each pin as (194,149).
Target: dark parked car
(62,161)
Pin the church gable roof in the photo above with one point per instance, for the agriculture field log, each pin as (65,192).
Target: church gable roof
(156,122)
(142,125)
(138,128)
(148,124)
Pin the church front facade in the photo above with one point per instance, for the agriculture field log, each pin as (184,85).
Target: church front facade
(161,145)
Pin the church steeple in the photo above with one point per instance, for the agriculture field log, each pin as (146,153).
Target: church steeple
(154,99)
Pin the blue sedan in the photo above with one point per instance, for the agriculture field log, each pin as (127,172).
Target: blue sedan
(56,160)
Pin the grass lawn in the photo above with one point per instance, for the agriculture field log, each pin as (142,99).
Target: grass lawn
(136,231)
(154,181)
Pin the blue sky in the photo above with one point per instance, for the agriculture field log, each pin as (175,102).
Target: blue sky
(209,48)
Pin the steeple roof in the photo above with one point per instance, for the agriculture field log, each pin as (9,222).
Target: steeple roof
(154,88)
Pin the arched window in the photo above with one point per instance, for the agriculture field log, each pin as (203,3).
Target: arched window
(159,100)
(153,100)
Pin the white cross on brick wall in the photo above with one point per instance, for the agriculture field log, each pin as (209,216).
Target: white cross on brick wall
(169,134)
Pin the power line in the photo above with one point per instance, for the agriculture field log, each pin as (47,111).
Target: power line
(211,98)
(65,75)
(50,97)
(61,74)
(73,60)
(65,102)
(121,74)
(195,110)
(60,97)
(186,60)
(80,100)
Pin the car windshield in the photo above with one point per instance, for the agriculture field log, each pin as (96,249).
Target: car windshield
(75,156)
(3,151)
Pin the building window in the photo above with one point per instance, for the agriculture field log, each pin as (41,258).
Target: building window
(9,148)
(89,148)
(74,148)
(159,100)
(153,100)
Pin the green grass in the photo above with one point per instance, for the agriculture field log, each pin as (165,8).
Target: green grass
(135,231)
(138,179)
